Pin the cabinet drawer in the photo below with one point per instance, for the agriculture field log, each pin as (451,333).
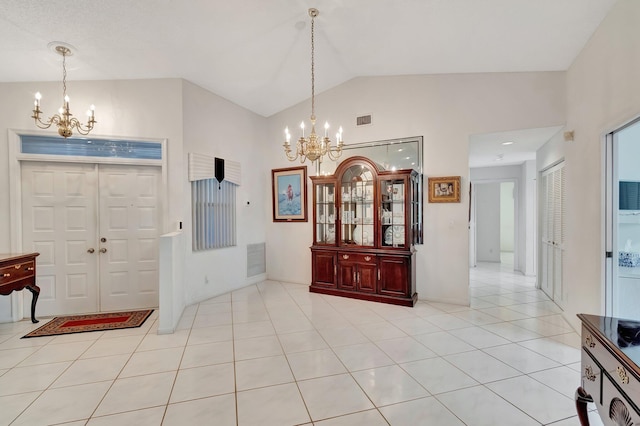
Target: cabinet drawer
(357,257)
(9,274)
(616,408)
(591,377)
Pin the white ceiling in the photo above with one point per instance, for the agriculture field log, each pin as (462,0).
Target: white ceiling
(256,53)
(508,148)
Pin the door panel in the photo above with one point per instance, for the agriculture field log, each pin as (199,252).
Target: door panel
(346,275)
(367,277)
(324,268)
(59,222)
(129,266)
(394,274)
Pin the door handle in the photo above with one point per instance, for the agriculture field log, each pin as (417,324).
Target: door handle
(103,250)
(91,250)
(103,240)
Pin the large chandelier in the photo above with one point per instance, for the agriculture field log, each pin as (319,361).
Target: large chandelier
(64,119)
(313,147)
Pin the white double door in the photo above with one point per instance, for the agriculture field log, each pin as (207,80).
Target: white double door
(96,228)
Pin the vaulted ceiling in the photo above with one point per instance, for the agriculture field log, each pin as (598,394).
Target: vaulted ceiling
(256,53)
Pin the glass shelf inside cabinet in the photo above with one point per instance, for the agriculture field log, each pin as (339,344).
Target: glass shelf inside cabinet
(393,213)
(325,214)
(357,206)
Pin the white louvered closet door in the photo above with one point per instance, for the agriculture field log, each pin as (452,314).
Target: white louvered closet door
(553,232)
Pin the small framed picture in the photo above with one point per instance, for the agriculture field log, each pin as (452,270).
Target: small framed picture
(444,189)
(289,190)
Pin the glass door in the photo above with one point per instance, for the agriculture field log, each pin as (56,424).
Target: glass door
(357,207)
(623,223)
(325,213)
(392,223)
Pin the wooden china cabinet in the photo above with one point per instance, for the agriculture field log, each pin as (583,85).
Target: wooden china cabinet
(366,221)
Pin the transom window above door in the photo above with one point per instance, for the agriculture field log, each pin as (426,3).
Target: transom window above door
(90,147)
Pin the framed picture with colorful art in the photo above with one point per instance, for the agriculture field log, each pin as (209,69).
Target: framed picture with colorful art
(289,191)
(444,189)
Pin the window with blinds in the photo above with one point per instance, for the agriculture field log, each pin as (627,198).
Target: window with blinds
(214,214)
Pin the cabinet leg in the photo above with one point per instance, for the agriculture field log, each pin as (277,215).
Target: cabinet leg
(35,292)
(582,398)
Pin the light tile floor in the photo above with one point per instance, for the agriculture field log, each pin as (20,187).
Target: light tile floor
(275,354)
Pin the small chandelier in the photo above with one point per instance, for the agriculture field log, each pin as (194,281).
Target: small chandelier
(313,147)
(64,119)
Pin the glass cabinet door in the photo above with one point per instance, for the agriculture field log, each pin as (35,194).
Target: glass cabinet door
(392,217)
(325,213)
(357,206)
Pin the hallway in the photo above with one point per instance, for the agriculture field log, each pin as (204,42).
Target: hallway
(275,354)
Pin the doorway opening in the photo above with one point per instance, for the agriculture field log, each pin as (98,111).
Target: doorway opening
(493,223)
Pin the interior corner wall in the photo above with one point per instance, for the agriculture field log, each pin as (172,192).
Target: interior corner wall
(488,222)
(507,216)
(445,110)
(217,127)
(603,93)
(124,108)
(529,244)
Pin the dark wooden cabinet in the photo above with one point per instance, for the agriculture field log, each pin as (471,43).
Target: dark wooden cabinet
(17,272)
(366,221)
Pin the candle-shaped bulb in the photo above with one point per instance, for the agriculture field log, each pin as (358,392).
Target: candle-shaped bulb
(66,98)
(92,109)
(287,135)
(302,127)
(340,133)
(326,128)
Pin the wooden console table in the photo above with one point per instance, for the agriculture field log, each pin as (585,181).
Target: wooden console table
(610,372)
(17,272)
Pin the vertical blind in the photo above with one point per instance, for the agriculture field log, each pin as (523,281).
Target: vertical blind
(214,214)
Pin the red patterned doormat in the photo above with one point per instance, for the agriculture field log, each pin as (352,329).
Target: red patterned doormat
(91,322)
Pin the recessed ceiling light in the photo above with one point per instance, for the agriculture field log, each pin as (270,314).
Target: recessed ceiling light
(399,149)
(507,143)
(407,158)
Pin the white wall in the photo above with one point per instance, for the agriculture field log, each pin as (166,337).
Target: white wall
(507,216)
(487,222)
(215,126)
(603,92)
(446,110)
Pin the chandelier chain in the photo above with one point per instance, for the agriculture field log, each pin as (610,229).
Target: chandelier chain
(313,73)
(64,75)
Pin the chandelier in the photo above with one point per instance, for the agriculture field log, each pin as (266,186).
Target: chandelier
(313,147)
(64,119)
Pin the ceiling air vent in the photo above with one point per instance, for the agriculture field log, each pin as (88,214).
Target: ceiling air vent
(363,120)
